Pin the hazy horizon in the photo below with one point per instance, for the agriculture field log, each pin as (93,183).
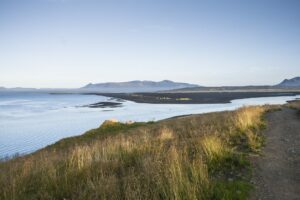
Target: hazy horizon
(70,43)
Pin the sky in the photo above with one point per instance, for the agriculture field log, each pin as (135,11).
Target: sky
(70,43)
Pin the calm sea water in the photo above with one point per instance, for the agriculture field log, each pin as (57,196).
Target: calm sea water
(30,121)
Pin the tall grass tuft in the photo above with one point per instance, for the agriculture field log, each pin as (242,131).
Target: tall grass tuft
(249,120)
(214,148)
(249,117)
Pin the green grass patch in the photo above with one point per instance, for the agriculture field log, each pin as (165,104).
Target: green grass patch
(231,190)
(105,130)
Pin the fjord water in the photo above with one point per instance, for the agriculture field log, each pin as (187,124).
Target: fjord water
(30,121)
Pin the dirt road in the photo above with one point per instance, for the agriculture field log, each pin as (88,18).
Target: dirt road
(277,171)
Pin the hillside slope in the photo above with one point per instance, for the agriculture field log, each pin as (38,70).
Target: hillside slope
(192,157)
(293,82)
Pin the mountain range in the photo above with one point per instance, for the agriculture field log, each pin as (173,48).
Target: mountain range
(293,82)
(136,86)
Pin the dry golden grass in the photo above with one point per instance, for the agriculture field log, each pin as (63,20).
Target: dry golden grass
(214,148)
(166,134)
(247,118)
(181,158)
(249,121)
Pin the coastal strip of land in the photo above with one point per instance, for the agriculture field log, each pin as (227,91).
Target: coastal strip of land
(193,97)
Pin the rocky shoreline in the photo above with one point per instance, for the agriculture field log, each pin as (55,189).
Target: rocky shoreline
(104,104)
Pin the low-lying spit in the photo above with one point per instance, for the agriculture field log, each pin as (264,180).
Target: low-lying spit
(192,157)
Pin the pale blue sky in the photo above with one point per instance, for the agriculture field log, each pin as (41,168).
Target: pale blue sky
(69,43)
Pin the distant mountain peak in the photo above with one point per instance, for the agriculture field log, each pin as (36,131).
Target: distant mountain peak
(136,86)
(293,82)
(167,81)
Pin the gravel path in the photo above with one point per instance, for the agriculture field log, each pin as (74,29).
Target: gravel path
(277,171)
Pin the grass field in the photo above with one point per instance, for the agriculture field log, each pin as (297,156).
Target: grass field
(192,157)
